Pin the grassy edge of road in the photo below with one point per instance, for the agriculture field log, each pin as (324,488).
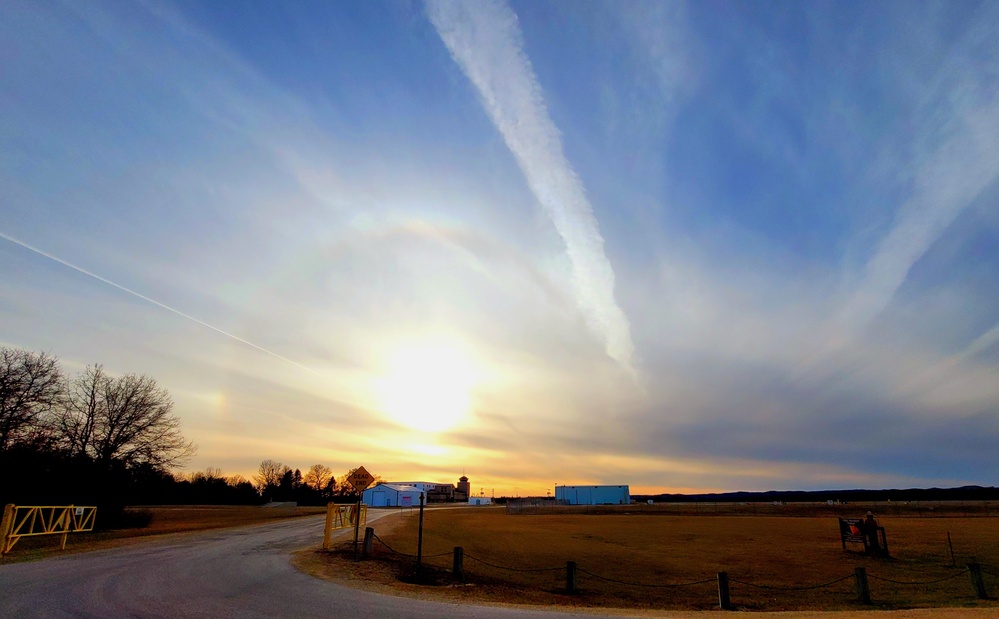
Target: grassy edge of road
(167,520)
(383,577)
(376,577)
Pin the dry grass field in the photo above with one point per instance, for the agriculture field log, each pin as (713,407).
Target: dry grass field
(771,560)
(165,519)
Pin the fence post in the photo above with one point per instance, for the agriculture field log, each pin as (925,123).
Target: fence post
(724,602)
(328,529)
(6,526)
(570,576)
(419,540)
(863,590)
(355,517)
(369,539)
(975,571)
(64,519)
(458,564)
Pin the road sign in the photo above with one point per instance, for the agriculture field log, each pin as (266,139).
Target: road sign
(360,479)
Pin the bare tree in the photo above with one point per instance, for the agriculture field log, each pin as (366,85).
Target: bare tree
(77,421)
(318,477)
(30,386)
(235,480)
(127,419)
(208,476)
(270,474)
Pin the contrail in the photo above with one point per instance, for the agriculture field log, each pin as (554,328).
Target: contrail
(153,301)
(951,178)
(485,40)
(987,340)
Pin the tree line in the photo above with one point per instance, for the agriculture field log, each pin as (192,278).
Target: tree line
(318,486)
(95,438)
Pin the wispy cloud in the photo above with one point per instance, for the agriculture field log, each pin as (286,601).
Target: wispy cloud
(148,299)
(486,42)
(962,161)
(982,343)
(946,185)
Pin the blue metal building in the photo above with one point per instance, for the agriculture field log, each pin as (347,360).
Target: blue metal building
(593,495)
(392,495)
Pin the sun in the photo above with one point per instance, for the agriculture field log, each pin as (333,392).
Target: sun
(428,388)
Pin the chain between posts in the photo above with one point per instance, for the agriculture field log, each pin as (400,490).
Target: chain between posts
(676,585)
(921,582)
(808,588)
(642,584)
(515,569)
(571,569)
(405,554)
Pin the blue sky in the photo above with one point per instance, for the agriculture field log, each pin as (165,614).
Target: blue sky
(712,245)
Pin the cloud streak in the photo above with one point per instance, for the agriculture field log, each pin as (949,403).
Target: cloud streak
(486,42)
(149,300)
(955,173)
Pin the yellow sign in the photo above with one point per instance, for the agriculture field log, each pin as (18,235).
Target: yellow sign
(360,479)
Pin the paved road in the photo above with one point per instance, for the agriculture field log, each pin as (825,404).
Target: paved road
(229,573)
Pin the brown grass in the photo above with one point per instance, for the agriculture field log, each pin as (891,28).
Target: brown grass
(766,551)
(893,509)
(165,520)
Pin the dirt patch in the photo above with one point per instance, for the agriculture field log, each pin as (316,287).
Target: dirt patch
(770,562)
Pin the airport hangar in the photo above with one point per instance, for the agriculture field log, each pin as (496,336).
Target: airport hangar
(407,493)
(392,495)
(593,495)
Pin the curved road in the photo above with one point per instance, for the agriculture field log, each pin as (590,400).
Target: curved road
(243,572)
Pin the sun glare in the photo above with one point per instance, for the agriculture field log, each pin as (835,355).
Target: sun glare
(428,388)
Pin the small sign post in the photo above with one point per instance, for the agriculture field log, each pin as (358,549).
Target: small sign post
(360,479)
(852,530)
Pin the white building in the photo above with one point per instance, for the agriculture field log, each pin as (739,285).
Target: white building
(593,495)
(480,500)
(392,495)
(422,486)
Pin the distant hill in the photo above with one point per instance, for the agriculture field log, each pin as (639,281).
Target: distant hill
(964,493)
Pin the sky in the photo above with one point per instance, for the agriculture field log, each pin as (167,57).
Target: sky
(706,246)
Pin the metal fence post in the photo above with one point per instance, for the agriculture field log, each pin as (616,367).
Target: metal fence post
(570,576)
(975,571)
(328,529)
(724,602)
(863,590)
(419,539)
(356,519)
(458,564)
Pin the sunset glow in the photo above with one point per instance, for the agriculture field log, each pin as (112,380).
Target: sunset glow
(696,245)
(428,389)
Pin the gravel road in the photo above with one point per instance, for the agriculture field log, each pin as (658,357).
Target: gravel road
(243,572)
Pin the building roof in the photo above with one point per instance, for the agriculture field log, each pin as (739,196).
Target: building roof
(397,487)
